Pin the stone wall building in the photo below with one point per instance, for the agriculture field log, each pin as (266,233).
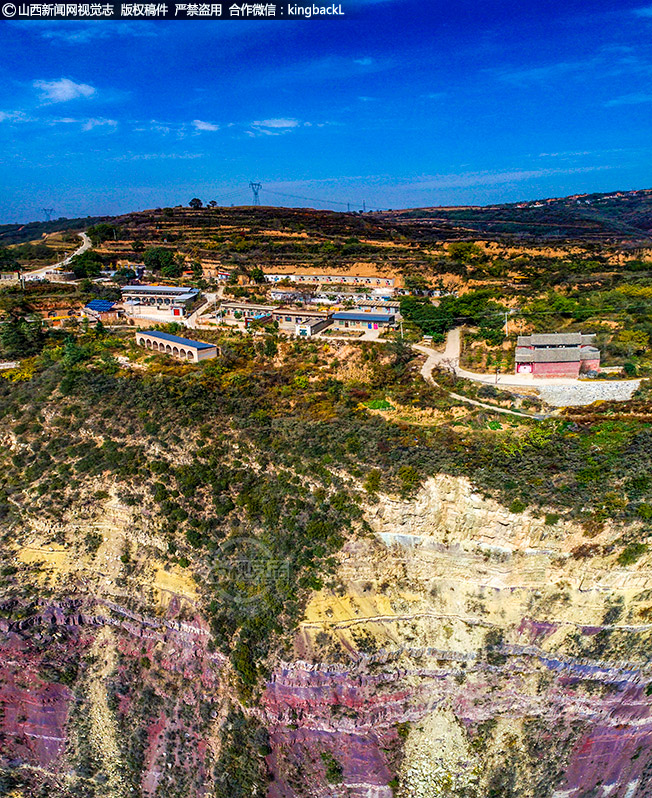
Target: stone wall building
(556,354)
(182,348)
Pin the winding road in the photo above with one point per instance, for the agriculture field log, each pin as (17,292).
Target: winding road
(39,274)
(449,360)
(559,392)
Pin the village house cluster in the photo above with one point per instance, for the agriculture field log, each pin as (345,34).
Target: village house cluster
(305,305)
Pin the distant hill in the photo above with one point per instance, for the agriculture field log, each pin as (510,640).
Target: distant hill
(21,233)
(614,216)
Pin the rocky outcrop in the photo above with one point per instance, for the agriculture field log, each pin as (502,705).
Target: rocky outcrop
(459,650)
(466,650)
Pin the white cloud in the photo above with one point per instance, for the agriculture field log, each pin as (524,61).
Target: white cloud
(469,179)
(153,156)
(364,61)
(275,127)
(277,123)
(199,125)
(83,33)
(646,11)
(629,99)
(89,124)
(63,90)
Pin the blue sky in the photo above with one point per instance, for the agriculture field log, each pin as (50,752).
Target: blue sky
(406,104)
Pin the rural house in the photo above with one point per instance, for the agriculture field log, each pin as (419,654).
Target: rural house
(361,320)
(556,354)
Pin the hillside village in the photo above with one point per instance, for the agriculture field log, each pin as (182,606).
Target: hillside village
(526,313)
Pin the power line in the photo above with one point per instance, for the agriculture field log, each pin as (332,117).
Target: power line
(255,187)
(346,205)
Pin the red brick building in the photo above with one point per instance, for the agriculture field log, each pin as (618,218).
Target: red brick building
(556,354)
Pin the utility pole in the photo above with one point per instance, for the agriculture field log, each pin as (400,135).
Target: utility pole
(348,207)
(364,206)
(48,213)
(255,188)
(507,312)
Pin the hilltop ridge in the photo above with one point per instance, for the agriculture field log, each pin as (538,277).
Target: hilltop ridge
(600,217)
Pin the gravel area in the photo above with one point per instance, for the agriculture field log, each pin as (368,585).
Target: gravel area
(585,393)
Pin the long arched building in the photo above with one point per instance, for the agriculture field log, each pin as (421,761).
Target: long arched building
(182,348)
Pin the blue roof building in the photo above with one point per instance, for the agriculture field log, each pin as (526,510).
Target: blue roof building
(100,305)
(175,345)
(358,319)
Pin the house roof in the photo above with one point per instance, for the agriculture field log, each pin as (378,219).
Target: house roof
(100,305)
(589,353)
(248,306)
(175,339)
(569,354)
(159,289)
(347,315)
(555,339)
(318,314)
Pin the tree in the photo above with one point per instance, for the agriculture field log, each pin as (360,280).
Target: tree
(213,204)
(87,264)
(20,337)
(257,275)
(7,258)
(416,282)
(173,269)
(103,232)
(124,274)
(196,203)
(475,308)
(632,342)
(158,258)
(466,251)
(137,246)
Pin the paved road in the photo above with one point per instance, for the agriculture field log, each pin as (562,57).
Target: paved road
(558,392)
(39,274)
(449,359)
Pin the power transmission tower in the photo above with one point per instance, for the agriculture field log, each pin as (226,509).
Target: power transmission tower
(48,213)
(255,187)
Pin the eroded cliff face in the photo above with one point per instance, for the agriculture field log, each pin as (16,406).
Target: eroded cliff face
(466,650)
(460,650)
(108,683)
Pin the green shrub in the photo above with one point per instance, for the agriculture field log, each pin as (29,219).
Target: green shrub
(517,506)
(334,773)
(631,553)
